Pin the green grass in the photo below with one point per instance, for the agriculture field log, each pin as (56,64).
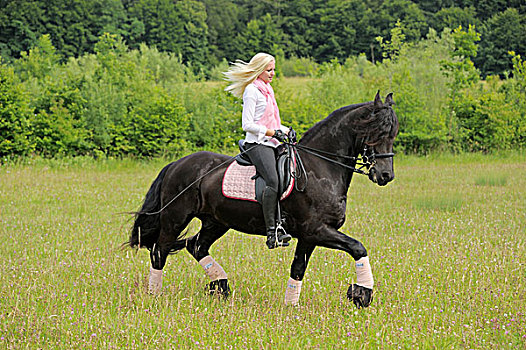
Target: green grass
(444,202)
(491,180)
(449,273)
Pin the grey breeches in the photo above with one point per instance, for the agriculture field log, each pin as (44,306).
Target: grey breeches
(264,159)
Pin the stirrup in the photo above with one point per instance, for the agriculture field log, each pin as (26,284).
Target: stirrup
(279,238)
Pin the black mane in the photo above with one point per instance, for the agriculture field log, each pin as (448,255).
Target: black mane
(365,121)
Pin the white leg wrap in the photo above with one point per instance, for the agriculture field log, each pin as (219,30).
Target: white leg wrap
(364,275)
(212,268)
(155,283)
(292,293)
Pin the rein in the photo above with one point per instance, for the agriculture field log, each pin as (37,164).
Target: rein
(321,154)
(367,160)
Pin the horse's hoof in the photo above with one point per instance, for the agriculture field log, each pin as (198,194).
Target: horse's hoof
(219,288)
(360,296)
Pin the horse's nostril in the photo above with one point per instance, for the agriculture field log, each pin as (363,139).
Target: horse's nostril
(386,175)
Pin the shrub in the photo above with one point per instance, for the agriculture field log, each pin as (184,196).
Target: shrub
(15,124)
(298,67)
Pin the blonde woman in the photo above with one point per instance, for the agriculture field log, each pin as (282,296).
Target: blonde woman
(262,124)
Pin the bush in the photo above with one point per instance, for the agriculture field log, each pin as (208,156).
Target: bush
(298,67)
(145,103)
(15,125)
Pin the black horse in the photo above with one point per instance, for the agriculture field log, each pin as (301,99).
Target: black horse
(329,151)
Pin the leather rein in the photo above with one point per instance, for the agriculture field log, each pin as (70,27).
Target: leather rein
(365,162)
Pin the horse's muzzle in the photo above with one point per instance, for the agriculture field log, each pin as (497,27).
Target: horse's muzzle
(381,179)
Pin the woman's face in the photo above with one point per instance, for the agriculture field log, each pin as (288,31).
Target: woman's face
(269,72)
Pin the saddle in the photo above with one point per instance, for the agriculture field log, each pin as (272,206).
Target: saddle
(241,180)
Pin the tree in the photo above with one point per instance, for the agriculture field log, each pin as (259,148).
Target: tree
(220,32)
(500,34)
(21,23)
(452,17)
(178,27)
(38,61)
(193,42)
(396,46)
(298,23)
(260,35)
(409,14)
(464,118)
(460,67)
(340,30)
(72,25)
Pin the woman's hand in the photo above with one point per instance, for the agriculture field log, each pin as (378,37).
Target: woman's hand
(279,135)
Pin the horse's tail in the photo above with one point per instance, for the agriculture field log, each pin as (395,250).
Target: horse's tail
(147,225)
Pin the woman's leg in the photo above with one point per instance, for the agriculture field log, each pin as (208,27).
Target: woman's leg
(264,159)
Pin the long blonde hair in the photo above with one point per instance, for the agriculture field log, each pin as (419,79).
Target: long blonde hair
(240,73)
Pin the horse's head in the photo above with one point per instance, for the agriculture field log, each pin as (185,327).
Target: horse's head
(382,128)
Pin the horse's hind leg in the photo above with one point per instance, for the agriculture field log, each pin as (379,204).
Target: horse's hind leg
(297,271)
(172,224)
(198,246)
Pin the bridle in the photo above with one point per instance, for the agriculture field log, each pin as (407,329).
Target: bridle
(366,159)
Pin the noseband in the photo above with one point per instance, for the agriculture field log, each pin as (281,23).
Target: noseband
(369,157)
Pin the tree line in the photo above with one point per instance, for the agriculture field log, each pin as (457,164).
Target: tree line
(125,102)
(204,33)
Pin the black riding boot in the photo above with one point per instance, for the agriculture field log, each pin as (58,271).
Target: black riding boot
(275,238)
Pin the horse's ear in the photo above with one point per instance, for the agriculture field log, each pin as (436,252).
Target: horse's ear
(389,99)
(378,100)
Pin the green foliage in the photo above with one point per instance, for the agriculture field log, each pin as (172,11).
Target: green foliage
(216,73)
(15,129)
(214,117)
(396,46)
(409,69)
(157,128)
(453,17)
(298,67)
(500,34)
(56,133)
(39,61)
(460,67)
(261,35)
(484,116)
(147,103)
(174,26)
(204,32)
(484,122)
(112,103)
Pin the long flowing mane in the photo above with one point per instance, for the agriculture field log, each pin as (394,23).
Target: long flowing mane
(364,120)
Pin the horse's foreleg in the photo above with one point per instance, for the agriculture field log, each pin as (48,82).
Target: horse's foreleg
(360,293)
(297,272)
(198,246)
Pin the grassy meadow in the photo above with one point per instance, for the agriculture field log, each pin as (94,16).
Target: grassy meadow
(446,239)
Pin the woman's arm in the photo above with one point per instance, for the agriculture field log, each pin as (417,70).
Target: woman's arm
(248,117)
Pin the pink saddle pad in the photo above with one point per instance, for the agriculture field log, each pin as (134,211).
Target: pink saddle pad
(238,183)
